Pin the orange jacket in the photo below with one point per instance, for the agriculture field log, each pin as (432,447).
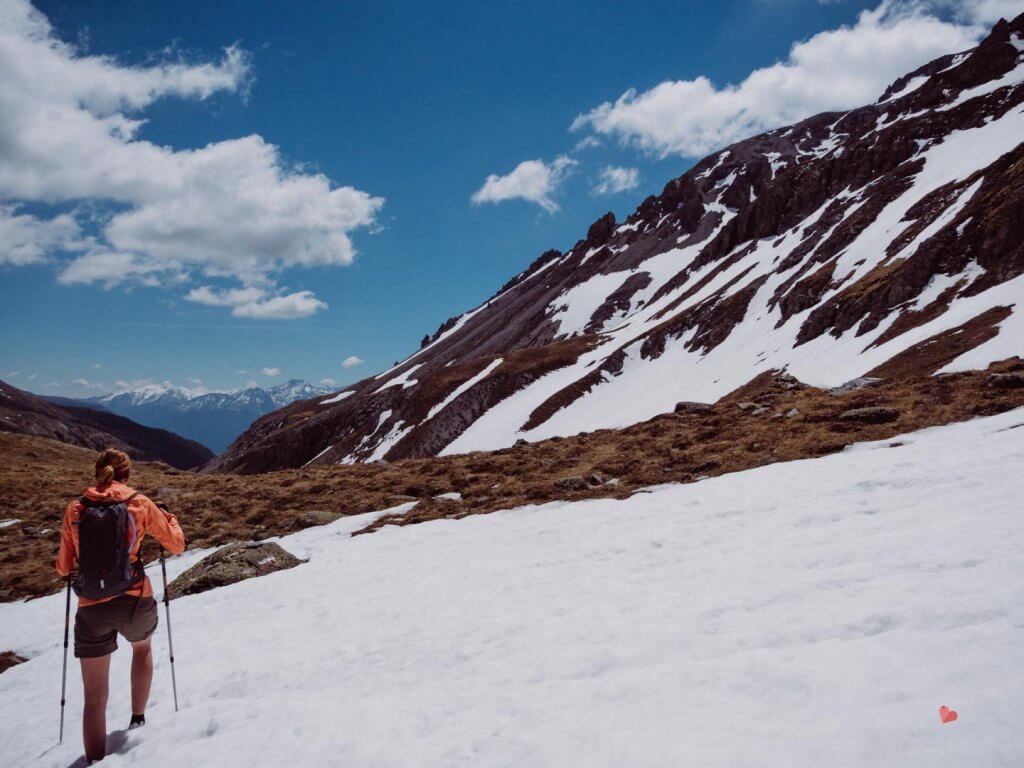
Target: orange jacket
(149,518)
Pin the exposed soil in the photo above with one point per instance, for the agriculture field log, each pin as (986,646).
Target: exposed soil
(773,418)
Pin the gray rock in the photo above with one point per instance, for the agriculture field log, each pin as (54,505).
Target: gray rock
(792,412)
(230,564)
(871,415)
(746,406)
(595,479)
(1006,380)
(859,383)
(572,483)
(692,408)
(316,517)
(759,410)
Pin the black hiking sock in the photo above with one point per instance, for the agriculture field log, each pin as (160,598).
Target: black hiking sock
(137,722)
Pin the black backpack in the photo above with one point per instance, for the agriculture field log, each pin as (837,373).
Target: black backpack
(106,534)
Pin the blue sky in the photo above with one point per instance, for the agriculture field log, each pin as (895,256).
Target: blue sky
(412,106)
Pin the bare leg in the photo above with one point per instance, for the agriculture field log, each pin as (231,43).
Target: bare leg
(142,675)
(96,683)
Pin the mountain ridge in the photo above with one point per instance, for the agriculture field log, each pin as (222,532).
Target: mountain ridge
(23,413)
(885,240)
(211,418)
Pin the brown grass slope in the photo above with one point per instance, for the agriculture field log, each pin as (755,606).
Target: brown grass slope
(773,418)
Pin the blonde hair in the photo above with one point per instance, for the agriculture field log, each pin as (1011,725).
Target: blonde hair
(112,464)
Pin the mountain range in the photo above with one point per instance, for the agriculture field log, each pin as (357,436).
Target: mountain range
(881,242)
(214,419)
(27,414)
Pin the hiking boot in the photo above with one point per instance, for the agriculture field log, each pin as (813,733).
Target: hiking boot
(137,722)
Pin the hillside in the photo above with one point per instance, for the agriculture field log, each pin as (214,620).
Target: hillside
(887,241)
(772,420)
(807,613)
(26,414)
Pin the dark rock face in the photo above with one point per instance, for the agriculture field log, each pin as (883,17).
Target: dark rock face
(821,232)
(233,563)
(1006,380)
(870,415)
(693,408)
(23,413)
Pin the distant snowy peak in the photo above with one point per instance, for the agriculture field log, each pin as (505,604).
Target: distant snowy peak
(887,240)
(280,395)
(294,389)
(212,418)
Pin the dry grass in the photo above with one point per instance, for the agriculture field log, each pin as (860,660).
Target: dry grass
(38,477)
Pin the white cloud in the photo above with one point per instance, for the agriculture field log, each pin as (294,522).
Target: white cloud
(587,142)
(194,381)
(352,361)
(833,70)
(13,374)
(271,372)
(254,302)
(981,11)
(230,209)
(26,239)
(614,179)
(97,366)
(88,384)
(33,376)
(328,382)
(532,180)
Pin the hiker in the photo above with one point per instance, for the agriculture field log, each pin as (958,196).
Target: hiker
(101,535)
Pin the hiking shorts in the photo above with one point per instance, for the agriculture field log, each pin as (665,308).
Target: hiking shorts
(97,626)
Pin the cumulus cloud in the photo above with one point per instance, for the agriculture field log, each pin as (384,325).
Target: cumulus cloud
(531,180)
(233,209)
(614,179)
(271,372)
(352,361)
(833,70)
(26,239)
(255,302)
(328,382)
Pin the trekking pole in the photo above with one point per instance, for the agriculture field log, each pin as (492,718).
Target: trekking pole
(64,673)
(170,642)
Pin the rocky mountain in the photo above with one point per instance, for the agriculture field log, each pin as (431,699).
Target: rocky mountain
(212,418)
(882,242)
(23,413)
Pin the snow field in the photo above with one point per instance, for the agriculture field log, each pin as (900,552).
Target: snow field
(802,614)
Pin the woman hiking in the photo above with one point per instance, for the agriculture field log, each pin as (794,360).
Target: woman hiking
(101,535)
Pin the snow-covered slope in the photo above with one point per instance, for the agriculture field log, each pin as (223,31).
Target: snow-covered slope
(213,418)
(886,240)
(810,613)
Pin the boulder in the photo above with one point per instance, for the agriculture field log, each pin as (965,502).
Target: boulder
(870,415)
(316,517)
(235,562)
(1006,380)
(571,483)
(691,407)
(853,384)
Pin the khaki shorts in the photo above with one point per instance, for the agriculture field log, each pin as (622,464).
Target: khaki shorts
(97,626)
